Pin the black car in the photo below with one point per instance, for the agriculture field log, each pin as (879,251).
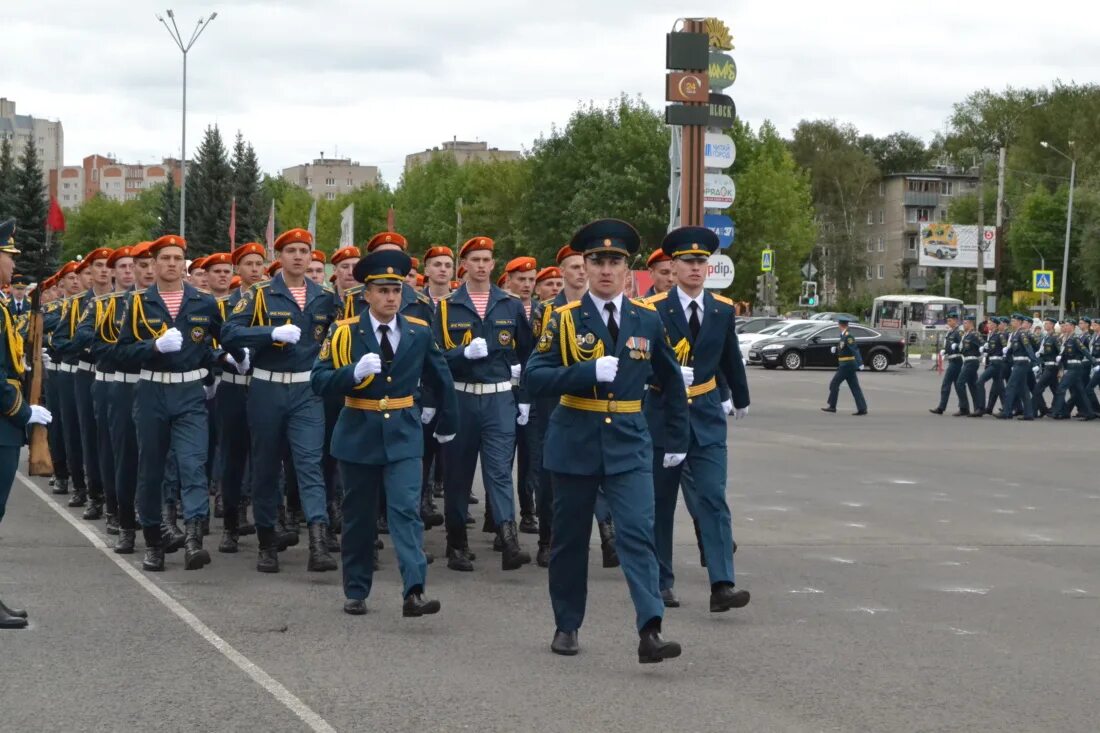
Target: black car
(755,324)
(816,348)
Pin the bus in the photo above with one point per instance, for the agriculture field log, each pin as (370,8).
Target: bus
(914,312)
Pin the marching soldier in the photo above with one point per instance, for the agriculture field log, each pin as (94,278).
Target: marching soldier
(196,273)
(597,354)
(970,348)
(520,274)
(848,362)
(1076,361)
(376,361)
(1022,355)
(439,265)
(1094,373)
(548,284)
(701,327)
(316,269)
(994,360)
(953,358)
(660,272)
(1046,374)
(51,317)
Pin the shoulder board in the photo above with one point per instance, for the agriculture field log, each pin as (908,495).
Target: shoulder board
(643,303)
(222,298)
(417,321)
(138,291)
(655,298)
(102,298)
(328,288)
(722,299)
(347,321)
(567,306)
(353,289)
(423,298)
(260,285)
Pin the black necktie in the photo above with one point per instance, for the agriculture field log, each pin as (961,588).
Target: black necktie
(612,325)
(693,322)
(384,342)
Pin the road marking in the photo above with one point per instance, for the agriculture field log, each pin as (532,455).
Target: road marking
(855,525)
(903,482)
(962,632)
(807,591)
(258,675)
(869,610)
(977,591)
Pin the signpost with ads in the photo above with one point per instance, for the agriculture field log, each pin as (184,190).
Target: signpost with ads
(723,226)
(719,191)
(943,244)
(719,272)
(719,150)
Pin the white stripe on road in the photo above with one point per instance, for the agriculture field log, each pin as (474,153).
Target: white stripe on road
(262,678)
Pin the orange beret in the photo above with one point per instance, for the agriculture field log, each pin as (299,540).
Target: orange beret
(319,256)
(199,263)
(99,253)
(387,238)
(273,268)
(119,254)
(521,264)
(547,273)
(168,240)
(67,268)
(419,281)
(500,280)
(141,249)
(252,248)
(415,264)
(461,272)
(235,282)
(657,256)
(83,264)
(566,251)
(293,236)
(218,258)
(474,245)
(455,284)
(438,250)
(345,253)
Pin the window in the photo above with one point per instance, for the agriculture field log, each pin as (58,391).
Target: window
(351,182)
(330,181)
(912,243)
(330,196)
(881,243)
(861,333)
(881,216)
(870,217)
(922,272)
(881,271)
(869,272)
(832,332)
(881,188)
(870,245)
(948,188)
(309,180)
(918,215)
(943,214)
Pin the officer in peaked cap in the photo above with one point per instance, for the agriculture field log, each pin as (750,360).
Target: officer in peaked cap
(953,362)
(970,349)
(1076,361)
(1046,377)
(1021,352)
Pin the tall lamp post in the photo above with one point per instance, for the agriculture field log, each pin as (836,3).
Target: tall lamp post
(174,31)
(1069,223)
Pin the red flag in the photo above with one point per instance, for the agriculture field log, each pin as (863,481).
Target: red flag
(271,232)
(55,220)
(233,225)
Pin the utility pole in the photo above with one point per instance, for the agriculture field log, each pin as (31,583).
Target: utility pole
(458,222)
(981,239)
(1000,213)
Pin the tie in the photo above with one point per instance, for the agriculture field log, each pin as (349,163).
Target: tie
(693,322)
(612,324)
(384,342)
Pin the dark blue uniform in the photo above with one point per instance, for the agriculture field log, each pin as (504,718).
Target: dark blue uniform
(994,372)
(1077,362)
(970,349)
(51,317)
(1094,375)
(234,438)
(952,367)
(1022,355)
(14,408)
(849,361)
(1047,378)
(65,328)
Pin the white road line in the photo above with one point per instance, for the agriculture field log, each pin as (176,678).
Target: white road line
(259,676)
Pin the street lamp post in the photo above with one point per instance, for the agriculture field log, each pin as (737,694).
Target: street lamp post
(174,32)
(1069,223)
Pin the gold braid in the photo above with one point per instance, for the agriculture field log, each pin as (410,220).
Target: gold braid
(138,313)
(571,350)
(15,345)
(448,342)
(683,351)
(341,352)
(105,322)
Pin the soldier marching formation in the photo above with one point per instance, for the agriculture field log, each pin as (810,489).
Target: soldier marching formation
(183,389)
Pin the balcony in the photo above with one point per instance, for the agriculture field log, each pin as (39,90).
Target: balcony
(921,198)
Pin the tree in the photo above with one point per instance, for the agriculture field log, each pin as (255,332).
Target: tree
(7,180)
(104,222)
(29,208)
(251,210)
(168,211)
(209,195)
(897,152)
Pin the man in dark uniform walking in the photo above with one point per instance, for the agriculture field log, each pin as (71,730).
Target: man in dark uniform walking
(970,349)
(849,361)
(953,362)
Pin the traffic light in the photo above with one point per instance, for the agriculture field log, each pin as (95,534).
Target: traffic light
(761,294)
(809,294)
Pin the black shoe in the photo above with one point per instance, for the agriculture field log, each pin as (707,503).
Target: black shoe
(669,598)
(429,513)
(230,542)
(355,606)
(154,549)
(565,643)
(332,542)
(94,510)
(1085,418)
(437,490)
(194,556)
(80,497)
(979,414)
(1002,415)
(61,486)
(415,606)
(470,521)
(112,524)
(173,535)
(725,597)
(936,411)
(961,413)
(320,560)
(607,544)
(512,558)
(284,536)
(828,409)
(471,499)
(335,517)
(542,557)
(17,612)
(859,413)
(383,524)
(124,545)
(244,527)
(528,525)
(1025,418)
(219,507)
(652,648)
(205,524)
(267,560)
(459,558)
(10,621)
(1060,417)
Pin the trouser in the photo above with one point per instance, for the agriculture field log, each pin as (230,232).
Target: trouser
(400,481)
(994,374)
(431,469)
(630,496)
(950,376)
(1048,379)
(120,416)
(105,441)
(286,415)
(846,372)
(9,463)
(1073,380)
(1090,390)
(170,489)
(171,417)
(487,428)
(524,482)
(705,495)
(329,465)
(1017,395)
(231,416)
(89,436)
(55,436)
(211,440)
(70,428)
(968,380)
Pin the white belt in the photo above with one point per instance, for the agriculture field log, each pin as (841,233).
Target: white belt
(68,368)
(1075,361)
(971,358)
(51,367)
(1020,358)
(85,366)
(280,377)
(996,358)
(104,376)
(241,379)
(478,388)
(173,377)
(126,378)
(954,356)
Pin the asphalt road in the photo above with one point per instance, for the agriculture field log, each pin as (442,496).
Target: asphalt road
(909,573)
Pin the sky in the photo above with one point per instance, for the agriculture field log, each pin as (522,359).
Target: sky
(375,81)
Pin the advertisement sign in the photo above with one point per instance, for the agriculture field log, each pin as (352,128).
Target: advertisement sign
(718,191)
(722,111)
(956,245)
(721,225)
(719,151)
(723,70)
(719,272)
(686,86)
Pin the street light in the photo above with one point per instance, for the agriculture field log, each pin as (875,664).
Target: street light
(1069,222)
(174,31)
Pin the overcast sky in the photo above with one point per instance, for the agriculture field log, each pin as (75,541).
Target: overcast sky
(374,81)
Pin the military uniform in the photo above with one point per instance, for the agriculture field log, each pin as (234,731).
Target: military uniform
(952,367)
(1076,361)
(1046,377)
(970,349)
(994,366)
(849,360)
(51,318)
(1022,355)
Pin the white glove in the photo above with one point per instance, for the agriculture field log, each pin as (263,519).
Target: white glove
(954,347)
(1095,369)
(210,390)
(1058,359)
(1037,370)
(367,365)
(985,347)
(832,349)
(606,368)
(477,349)
(727,407)
(672,460)
(689,375)
(942,352)
(859,368)
(741,413)
(245,365)
(516,370)
(288,333)
(427,414)
(444,438)
(40,415)
(524,414)
(170,342)
(1004,351)
(46,360)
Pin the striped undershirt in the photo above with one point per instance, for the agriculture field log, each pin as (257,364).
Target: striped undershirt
(527,309)
(299,296)
(481,302)
(172,300)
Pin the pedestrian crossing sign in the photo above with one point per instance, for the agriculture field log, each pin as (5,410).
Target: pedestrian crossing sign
(1042,281)
(766,257)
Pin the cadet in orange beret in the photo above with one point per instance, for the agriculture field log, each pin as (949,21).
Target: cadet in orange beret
(219,273)
(64,433)
(548,283)
(196,273)
(439,267)
(520,276)
(316,269)
(144,274)
(660,271)
(248,259)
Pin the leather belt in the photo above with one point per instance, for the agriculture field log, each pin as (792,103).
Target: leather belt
(700,389)
(954,356)
(845,358)
(590,405)
(479,388)
(104,376)
(84,366)
(173,377)
(280,377)
(126,378)
(386,403)
(241,379)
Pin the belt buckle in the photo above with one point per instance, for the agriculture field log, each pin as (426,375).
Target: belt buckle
(612,406)
(383,403)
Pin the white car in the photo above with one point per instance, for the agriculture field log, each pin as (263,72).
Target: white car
(784,328)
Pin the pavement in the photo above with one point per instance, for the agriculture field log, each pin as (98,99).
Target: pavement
(909,572)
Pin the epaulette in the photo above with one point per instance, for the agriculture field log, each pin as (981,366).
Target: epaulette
(347,321)
(643,303)
(423,298)
(417,321)
(567,306)
(223,298)
(656,298)
(138,291)
(260,285)
(328,289)
(354,289)
(722,299)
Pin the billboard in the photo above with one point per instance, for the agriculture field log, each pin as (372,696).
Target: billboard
(955,245)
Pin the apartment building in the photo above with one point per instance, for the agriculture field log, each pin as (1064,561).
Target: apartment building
(99,174)
(327,178)
(463,152)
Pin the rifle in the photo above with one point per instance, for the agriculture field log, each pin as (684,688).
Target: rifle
(39,462)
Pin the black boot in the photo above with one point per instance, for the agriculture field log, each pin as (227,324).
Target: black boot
(294,522)
(652,648)
(219,506)
(61,486)
(95,509)
(513,557)
(194,556)
(206,526)
(268,558)
(244,527)
(12,618)
(173,535)
(332,542)
(319,558)
(437,489)
(489,526)
(283,536)
(80,496)
(335,517)
(154,549)
(112,524)
(124,545)
(607,545)
(542,557)
(383,524)
(415,605)
(460,558)
(528,524)
(231,536)
(429,513)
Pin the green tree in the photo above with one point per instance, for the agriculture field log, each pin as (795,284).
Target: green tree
(104,222)
(168,209)
(292,204)
(372,204)
(7,180)
(251,211)
(897,152)
(426,199)
(29,207)
(209,195)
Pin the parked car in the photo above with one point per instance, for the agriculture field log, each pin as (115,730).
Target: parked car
(832,316)
(754,324)
(783,328)
(813,347)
